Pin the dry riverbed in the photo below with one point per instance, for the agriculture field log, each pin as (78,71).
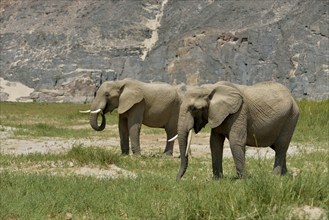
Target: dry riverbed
(151,144)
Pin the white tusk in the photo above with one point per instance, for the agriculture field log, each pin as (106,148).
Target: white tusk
(96,111)
(189,139)
(88,111)
(173,138)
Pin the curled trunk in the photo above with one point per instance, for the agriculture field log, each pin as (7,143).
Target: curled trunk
(94,124)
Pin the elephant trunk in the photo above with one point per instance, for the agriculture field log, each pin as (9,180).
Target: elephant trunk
(184,144)
(94,122)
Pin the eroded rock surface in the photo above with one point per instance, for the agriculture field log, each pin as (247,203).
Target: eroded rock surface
(65,49)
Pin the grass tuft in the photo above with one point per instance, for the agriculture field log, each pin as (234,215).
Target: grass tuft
(86,155)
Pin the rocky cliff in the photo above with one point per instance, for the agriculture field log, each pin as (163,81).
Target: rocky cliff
(64,50)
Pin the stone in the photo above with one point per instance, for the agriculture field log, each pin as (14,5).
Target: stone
(72,47)
(308,212)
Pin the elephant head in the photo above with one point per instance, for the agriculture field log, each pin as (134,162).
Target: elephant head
(121,95)
(208,104)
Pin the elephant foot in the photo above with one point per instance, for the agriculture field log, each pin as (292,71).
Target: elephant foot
(217,176)
(242,175)
(136,151)
(124,151)
(167,154)
(137,154)
(279,171)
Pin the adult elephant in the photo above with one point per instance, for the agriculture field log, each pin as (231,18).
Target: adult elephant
(152,104)
(261,115)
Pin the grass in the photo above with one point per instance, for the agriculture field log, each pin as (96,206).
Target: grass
(52,120)
(313,123)
(56,120)
(154,193)
(78,153)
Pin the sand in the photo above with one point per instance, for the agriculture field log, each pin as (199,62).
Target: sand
(16,91)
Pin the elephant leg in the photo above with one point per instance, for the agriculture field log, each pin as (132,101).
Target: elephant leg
(134,131)
(238,148)
(124,135)
(169,149)
(216,147)
(238,153)
(281,146)
(284,166)
(280,166)
(135,119)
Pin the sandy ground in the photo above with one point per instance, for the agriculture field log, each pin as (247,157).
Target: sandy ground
(150,144)
(15,90)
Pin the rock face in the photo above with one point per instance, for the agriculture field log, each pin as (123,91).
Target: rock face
(65,49)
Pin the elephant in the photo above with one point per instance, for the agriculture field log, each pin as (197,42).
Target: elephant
(261,115)
(152,104)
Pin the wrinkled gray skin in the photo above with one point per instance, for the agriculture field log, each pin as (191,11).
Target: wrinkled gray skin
(261,115)
(152,104)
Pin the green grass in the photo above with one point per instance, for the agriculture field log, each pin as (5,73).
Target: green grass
(65,114)
(78,153)
(56,120)
(52,120)
(313,123)
(154,193)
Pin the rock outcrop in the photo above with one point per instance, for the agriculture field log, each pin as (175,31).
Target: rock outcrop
(65,49)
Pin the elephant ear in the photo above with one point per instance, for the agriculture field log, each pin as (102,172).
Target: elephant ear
(129,97)
(224,100)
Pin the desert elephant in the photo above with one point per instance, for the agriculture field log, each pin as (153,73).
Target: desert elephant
(152,104)
(261,115)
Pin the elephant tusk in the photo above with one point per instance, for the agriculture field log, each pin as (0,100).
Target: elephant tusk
(88,111)
(96,111)
(173,138)
(189,139)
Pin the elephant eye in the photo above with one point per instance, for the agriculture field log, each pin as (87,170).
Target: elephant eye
(107,94)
